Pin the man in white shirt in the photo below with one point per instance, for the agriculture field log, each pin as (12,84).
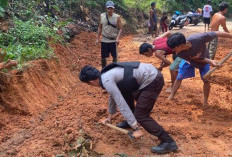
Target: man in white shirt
(206,13)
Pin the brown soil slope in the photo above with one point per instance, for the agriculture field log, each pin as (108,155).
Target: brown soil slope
(65,106)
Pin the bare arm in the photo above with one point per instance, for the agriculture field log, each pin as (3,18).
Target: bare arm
(224,25)
(166,34)
(119,25)
(160,54)
(99,30)
(151,16)
(209,61)
(223,34)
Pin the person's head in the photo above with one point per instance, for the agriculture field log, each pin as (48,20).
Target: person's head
(177,42)
(165,14)
(146,49)
(152,4)
(89,75)
(110,7)
(199,10)
(223,7)
(208,2)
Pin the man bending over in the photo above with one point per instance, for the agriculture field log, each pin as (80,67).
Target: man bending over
(126,82)
(195,55)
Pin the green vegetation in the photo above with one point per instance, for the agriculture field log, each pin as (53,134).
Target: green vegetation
(3,4)
(82,146)
(27,41)
(172,5)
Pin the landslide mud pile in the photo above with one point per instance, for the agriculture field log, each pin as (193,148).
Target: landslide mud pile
(59,109)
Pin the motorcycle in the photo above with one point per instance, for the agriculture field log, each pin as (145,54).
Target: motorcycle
(178,20)
(193,18)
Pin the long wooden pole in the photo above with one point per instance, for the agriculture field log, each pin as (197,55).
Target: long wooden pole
(207,75)
(124,131)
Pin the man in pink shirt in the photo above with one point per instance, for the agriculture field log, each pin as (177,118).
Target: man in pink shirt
(161,50)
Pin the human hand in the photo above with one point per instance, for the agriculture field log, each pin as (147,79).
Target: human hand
(117,41)
(160,68)
(106,120)
(215,63)
(97,42)
(137,134)
(171,97)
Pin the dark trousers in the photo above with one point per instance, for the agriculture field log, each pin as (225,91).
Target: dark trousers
(164,26)
(146,99)
(106,50)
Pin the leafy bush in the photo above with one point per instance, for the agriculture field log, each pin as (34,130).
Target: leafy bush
(3,4)
(27,41)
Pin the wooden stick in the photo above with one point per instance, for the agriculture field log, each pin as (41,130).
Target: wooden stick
(124,131)
(207,75)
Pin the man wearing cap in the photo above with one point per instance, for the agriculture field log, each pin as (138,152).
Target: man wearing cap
(110,28)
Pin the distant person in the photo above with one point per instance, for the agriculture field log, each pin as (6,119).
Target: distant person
(217,20)
(160,49)
(199,11)
(126,82)
(195,56)
(207,14)
(153,19)
(163,22)
(110,28)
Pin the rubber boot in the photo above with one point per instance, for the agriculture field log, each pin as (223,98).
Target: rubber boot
(103,62)
(166,145)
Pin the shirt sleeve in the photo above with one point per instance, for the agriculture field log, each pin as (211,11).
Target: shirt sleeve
(207,37)
(182,55)
(112,106)
(123,107)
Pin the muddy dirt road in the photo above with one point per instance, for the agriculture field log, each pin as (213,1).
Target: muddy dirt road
(57,106)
